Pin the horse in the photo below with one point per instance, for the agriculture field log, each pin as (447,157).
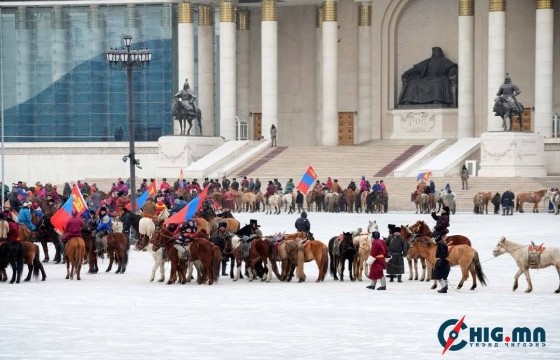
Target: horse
(288,202)
(248,201)
(341,249)
(529,257)
(463,255)
(421,202)
(349,200)
(164,239)
(144,243)
(408,235)
(310,200)
(446,199)
(46,233)
(74,252)
(226,248)
(481,200)
(313,250)
(290,253)
(209,255)
(532,197)
(12,253)
(184,114)
(506,110)
(332,201)
(431,202)
(556,203)
(363,201)
(421,228)
(253,252)
(117,250)
(273,201)
(319,197)
(31,259)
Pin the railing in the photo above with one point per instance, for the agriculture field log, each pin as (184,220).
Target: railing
(555,125)
(241,129)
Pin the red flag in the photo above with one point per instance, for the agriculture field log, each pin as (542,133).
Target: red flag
(307,180)
(75,202)
(188,211)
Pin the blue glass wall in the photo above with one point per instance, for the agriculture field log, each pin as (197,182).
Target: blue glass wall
(58,86)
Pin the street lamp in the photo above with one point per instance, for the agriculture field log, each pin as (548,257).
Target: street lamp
(130,59)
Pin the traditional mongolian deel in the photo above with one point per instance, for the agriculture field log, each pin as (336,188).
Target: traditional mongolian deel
(307,180)
(75,202)
(188,211)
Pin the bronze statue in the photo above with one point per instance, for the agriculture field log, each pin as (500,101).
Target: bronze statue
(184,108)
(506,104)
(432,81)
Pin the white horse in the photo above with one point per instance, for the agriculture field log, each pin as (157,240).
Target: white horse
(164,214)
(556,203)
(117,226)
(146,228)
(520,253)
(288,203)
(4,228)
(273,201)
(362,241)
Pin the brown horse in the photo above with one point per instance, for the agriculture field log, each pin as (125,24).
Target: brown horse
(421,202)
(163,238)
(349,199)
(253,252)
(463,255)
(290,253)
(209,255)
(117,250)
(481,201)
(421,228)
(74,253)
(31,259)
(431,201)
(408,235)
(531,197)
(318,251)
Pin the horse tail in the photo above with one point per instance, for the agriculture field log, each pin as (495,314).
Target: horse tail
(324,262)
(36,262)
(275,270)
(478,268)
(216,262)
(332,265)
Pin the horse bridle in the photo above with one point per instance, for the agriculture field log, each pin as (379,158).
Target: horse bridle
(163,243)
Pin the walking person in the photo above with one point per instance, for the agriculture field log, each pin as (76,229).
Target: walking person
(378,253)
(273,134)
(465,178)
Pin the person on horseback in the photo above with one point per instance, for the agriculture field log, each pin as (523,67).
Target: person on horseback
(73,228)
(506,103)
(13,227)
(270,190)
(187,233)
(302,223)
(186,97)
(103,227)
(24,217)
(442,223)
(289,187)
(255,228)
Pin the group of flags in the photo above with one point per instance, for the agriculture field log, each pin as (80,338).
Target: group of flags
(424,175)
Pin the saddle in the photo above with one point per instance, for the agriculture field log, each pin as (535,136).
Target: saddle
(535,255)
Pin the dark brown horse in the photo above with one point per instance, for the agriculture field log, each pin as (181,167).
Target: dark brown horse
(534,197)
(253,252)
(74,252)
(117,250)
(46,233)
(421,228)
(31,259)
(349,199)
(209,255)
(341,249)
(164,238)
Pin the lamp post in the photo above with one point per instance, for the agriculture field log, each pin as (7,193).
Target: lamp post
(130,59)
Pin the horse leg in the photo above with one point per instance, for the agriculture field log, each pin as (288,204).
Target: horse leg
(558,270)
(529,282)
(111,259)
(516,278)
(45,247)
(190,127)
(29,270)
(410,269)
(350,265)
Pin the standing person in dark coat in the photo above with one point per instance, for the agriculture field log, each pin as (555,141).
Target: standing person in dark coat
(441,267)
(302,224)
(507,202)
(496,203)
(299,201)
(378,252)
(397,251)
(442,223)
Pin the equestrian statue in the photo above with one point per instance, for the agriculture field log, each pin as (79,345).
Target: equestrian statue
(185,110)
(506,105)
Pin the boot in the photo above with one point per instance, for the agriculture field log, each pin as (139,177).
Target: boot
(383,284)
(443,284)
(224,265)
(372,286)
(391,278)
(399,278)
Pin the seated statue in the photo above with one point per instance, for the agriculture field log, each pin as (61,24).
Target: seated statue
(432,81)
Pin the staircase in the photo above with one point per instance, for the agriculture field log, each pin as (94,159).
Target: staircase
(398,161)
(260,162)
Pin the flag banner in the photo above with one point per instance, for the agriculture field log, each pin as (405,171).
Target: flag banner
(188,211)
(181,179)
(141,200)
(424,175)
(307,180)
(64,214)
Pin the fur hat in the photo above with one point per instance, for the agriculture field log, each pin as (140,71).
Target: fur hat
(375,235)
(391,226)
(446,209)
(254,221)
(222,224)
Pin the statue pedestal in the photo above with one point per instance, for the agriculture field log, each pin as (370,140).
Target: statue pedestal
(177,152)
(422,123)
(511,154)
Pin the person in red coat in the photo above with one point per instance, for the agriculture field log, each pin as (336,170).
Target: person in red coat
(73,228)
(378,252)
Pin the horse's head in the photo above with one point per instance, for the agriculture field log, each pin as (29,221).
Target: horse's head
(142,242)
(500,248)
(372,226)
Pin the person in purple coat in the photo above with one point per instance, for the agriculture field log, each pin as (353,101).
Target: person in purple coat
(378,252)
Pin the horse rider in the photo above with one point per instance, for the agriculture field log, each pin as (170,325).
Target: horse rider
(302,223)
(188,232)
(442,223)
(24,217)
(376,188)
(441,267)
(186,97)
(270,190)
(103,227)
(73,228)
(255,228)
(352,186)
(289,187)
(378,253)
(13,227)
(508,92)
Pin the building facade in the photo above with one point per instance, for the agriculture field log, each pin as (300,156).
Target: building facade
(324,72)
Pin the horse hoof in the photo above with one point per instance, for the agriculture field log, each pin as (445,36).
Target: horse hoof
(43,279)
(473,287)
(433,287)
(557,291)
(528,290)
(46,260)
(161,280)
(459,286)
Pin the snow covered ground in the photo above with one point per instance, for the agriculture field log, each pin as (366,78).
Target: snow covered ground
(110,316)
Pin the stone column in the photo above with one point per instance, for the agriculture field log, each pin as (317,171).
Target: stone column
(544,66)
(465,93)
(243,63)
(329,127)
(496,57)
(269,67)
(227,70)
(364,72)
(185,44)
(206,68)
(318,75)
